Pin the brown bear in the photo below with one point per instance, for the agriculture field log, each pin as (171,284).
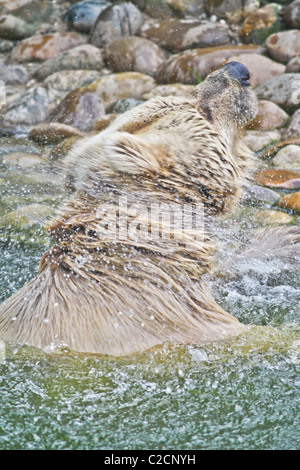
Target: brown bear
(131,246)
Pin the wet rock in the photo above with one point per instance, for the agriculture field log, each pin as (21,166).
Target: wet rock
(33,106)
(122,19)
(186,7)
(116,86)
(68,80)
(288,157)
(82,15)
(43,46)
(261,68)
(177,34)
(135,54)
(293,129)
(22,160)
(257,140)
(172,89)
(284,46)
(259,24)
(191,65)
(83,57)
(26,217)
(232,10)
(269,117)
(49,133)
(12,27)
(160,8)
(38,12)
(290,202)
(273,149)
(12,74)
(284,90)
(80,108)
(277,178)
(292,14)
(273,217)
(293,65)
(259,195)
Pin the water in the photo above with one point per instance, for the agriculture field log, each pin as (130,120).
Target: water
(236,394)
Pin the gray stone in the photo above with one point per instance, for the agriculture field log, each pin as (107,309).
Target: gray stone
(258,195)
(293,129)
(292,14)
(82,15)
(284,90)
(12,74)
(288,157)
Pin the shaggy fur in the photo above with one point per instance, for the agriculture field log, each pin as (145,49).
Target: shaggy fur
(113,288)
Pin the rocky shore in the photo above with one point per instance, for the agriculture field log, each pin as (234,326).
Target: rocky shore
(68,68)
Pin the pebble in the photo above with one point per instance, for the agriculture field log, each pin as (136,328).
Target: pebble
(288,157)
(284,45)
(259,195)
(259,24)
(293,64)
(13,74)
(275,177)
(269,117)
(273,217)
(261,68)
(12,27)
(232,10)
(82,15)
(257,140)
(122,19)
(293,128)
(22,160)
(42,46)
(68,80)
(83,57)
(292,14)
(283,90)
(176,34)
(191,65)
(291,202)
(133,53)
(26,217)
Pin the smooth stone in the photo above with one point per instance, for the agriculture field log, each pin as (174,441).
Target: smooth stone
(283,90)
(13,74)
(122,19)
(293,64)
(291,202)
(261,68)
(116,86)
(261,23)
(43,46)
(172,89)
(159,8)
(33,106)
(287,157)
(22,160)
(177,34)
(38,12)
(68,80)
(26,217)
(83,57)
(49,133)
(82,15)
(292,14)
(284,45)
(232,10)
(275,177)
(257,140)
(270,151)
(186,7)
(293,129)
(134,54)
(191,65)
(80,108)
(273,217)
(269,117)
(259,195)
(14,28)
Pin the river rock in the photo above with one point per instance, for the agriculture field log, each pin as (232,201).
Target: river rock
(291,202)
(22,160)
(161,8)
(172,89)
(81,57)
(292,14)
(191,65)
(232,10)
(26,217)
(12,74)
(12,27)
(293,129)
(177,34)
(293,65)
(269,117)
(276,178)
(132,53)
(284,45)
(122,19)
(257,140)
(273,217)
(43,46)
(82,15)
(288,157)
(261,68)
(259,195)
(259,24)
(50,133)
(80,108)
(68,80)
(284,90)
(38,12)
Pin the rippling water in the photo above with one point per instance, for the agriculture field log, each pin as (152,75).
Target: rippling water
(236,394)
